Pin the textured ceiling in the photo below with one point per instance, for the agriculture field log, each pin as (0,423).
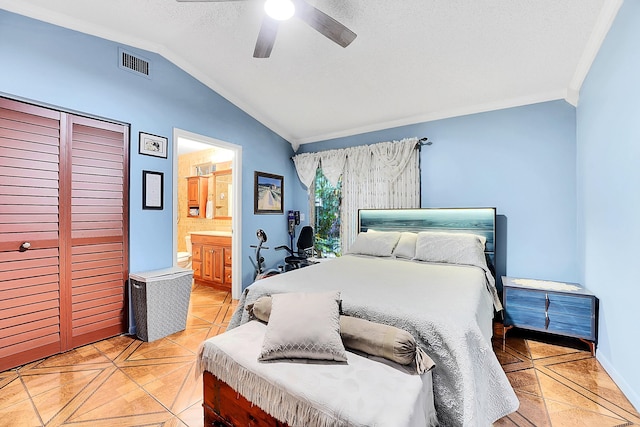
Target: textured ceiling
(413,60)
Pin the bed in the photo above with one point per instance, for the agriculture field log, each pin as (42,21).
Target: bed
(426,285)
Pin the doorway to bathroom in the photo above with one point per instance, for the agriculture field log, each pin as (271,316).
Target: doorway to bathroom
(207,200)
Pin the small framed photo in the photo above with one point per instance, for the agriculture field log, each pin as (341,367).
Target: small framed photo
(268,197)
(152,190)
(152,145)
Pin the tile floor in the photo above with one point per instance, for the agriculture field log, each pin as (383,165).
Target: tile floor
(559,383)
(126,382)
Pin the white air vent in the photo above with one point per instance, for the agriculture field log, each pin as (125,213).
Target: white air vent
(134,63)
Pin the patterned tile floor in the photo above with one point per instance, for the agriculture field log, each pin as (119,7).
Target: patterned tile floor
(559,383)
(125,382)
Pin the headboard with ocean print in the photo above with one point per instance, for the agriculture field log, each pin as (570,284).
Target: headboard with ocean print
(481,221)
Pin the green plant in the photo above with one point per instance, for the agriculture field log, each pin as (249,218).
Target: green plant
(327,213)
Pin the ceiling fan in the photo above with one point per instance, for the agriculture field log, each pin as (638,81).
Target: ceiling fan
(280,10)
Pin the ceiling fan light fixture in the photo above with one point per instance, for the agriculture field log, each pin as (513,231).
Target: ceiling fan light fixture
(280,10)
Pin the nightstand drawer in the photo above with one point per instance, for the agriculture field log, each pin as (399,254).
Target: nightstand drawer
(525,318)
(525,299)
(579,327)
(574,305)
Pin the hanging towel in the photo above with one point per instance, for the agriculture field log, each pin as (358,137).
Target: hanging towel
(209,209)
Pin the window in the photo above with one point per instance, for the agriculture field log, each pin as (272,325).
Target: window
(204,169)
(327,215)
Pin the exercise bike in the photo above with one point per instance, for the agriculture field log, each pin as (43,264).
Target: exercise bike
(258,264)
(299,256)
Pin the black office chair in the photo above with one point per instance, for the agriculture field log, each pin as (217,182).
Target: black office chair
(300,258)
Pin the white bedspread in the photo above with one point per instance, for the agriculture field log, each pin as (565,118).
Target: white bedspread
(360,393)
(438,304)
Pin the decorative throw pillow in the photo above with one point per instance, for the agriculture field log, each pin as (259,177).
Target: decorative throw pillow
(386,341)
(304,326)
(376,339)
(453,248)
(406,247)
(378,243)
(260,309)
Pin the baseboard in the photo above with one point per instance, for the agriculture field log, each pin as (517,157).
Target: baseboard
(628,391)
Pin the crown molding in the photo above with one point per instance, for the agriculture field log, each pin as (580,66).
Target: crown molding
(605,19)
(437,115)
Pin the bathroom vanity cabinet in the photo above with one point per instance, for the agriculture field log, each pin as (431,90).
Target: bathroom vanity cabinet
(211,260)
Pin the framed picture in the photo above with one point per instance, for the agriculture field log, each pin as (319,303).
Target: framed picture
(268,196)
(152,190)
(152,145)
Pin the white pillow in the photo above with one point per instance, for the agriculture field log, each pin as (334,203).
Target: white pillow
(378,243)
(453,248)
(304,326)
(406,247)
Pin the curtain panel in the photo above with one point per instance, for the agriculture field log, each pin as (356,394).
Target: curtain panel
(382,175)
(306,165)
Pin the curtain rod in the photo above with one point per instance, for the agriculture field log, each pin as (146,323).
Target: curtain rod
(421,142)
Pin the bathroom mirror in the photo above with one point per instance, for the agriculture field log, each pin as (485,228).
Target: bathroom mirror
(222,184)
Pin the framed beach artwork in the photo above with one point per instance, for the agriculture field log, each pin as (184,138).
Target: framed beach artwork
(268,197)
(152,145)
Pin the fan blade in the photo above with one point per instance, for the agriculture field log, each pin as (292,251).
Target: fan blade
(266,38)
(324,24)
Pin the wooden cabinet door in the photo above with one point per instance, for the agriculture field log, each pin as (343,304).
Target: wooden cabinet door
(213,264)
(218,265)
(197,189)
(193,191)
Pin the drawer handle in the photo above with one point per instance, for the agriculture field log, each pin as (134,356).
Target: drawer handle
(546,321)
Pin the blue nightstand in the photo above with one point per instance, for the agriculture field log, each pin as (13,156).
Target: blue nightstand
(566,309)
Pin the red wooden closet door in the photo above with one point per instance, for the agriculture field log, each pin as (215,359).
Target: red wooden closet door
(99,231)
(63,231)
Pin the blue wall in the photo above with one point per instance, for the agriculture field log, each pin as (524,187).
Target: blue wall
(75,71)
(608,134)
(520,160)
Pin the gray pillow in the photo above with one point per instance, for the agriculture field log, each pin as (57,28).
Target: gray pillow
(453,248)
(378,243)
(304,326)
(406,247)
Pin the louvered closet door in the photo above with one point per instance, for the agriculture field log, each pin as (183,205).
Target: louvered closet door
(64,190)
(99,232)
(29,280)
